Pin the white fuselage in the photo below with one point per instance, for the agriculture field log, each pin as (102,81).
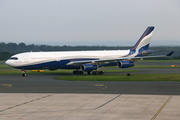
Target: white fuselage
(60,59)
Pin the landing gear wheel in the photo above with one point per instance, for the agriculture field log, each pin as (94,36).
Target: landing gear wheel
(77,72)
(101,72)
(94,72)
(80,72)
(89,72)
(74,72)
(24,74)
(97,72)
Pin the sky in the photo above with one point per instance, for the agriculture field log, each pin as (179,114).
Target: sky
(89,22)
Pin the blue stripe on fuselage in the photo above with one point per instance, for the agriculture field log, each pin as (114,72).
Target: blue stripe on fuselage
(54,64)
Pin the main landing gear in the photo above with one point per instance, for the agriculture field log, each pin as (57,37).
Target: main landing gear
(24,73)
(95,72)
(78,72)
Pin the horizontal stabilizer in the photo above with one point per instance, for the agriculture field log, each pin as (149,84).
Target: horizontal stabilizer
(154,51)
(170,53)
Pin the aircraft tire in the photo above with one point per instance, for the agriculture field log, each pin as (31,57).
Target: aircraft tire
(80,72)
(101,72)
(24,74)
(74,72)
(89,72)
(95,72)
(77,72)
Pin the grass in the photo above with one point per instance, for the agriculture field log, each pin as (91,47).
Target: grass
(159,61)
(16,72)
(4,66)
(153,66)
(59,72)
(10,72)
(147,66)
(120,77)
(135,77)
(117,71)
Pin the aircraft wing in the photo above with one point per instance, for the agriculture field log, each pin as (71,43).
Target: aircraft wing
(77,63)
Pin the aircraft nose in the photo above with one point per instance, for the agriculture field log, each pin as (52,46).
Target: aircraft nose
(8,62)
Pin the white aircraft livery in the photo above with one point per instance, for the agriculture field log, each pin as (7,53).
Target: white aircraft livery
(84,61)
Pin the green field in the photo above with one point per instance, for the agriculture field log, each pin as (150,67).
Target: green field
(16,72)
(4,66)
(4,70)
(132,77)
(153,66)
(67,75)
(65,72)
(159,61)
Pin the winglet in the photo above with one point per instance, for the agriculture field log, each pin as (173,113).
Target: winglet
(170,53)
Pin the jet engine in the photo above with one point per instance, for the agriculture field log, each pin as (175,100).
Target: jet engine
(125,64)
(88,67)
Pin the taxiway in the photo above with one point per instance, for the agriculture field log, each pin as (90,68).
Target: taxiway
(43,97)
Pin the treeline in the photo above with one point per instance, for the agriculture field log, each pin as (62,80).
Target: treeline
(9,49)
(5,55)
(22,47)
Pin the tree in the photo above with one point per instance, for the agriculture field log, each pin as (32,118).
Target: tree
(5,55)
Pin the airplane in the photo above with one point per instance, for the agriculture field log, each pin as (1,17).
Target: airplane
(85,61)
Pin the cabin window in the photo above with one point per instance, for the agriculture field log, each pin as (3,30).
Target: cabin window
(13,58)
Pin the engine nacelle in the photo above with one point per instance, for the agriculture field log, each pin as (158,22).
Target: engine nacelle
(125,64)
(88,67)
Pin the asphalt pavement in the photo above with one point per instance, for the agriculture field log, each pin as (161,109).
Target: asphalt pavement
(44,97)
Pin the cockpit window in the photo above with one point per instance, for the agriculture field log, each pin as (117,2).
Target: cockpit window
(13,58)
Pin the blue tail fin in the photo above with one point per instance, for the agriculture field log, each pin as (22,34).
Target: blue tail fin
(144,41)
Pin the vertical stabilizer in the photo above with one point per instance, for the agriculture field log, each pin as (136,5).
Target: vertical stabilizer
(144,41)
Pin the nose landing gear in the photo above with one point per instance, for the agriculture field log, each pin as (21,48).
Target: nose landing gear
(24,73)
